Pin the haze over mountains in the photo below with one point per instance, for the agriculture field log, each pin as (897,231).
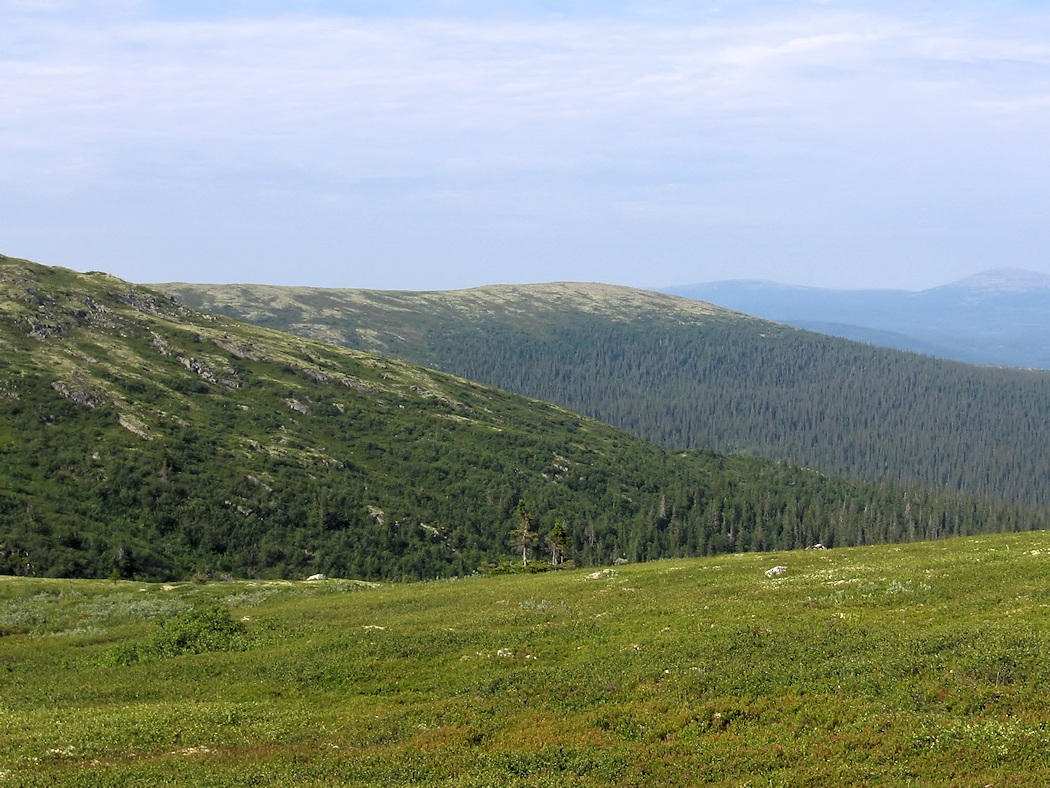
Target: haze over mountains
(1000,316)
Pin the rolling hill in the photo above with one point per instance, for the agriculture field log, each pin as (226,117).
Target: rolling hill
(140,438)
(687,374)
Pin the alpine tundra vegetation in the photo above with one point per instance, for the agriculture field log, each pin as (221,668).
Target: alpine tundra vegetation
(918,664)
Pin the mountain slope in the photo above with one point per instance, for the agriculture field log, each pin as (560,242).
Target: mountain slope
(1001,316)
(140,438)
(688,374)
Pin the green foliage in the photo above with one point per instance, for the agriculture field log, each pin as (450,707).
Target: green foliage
(140,440)
(522,536)
(559,542)
(919,664)
(507,566)
(688,375)
(207,627)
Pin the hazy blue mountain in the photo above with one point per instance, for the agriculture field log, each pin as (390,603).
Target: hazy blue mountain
(1001,316)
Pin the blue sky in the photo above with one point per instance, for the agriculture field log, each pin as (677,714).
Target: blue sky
(432,145)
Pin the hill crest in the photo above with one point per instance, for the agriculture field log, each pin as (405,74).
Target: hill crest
(142,439)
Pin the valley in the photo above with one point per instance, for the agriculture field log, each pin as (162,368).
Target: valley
(168,477)
(146,440)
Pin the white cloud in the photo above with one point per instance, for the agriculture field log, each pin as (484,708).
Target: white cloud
(300,75)
(649,118)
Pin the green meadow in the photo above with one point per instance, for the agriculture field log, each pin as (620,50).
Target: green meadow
(918,664)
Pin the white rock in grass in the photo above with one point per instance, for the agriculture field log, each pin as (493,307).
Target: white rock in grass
(317,577)
(776,571)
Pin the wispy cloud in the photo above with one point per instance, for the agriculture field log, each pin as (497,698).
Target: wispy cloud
(668,106)
(289,76)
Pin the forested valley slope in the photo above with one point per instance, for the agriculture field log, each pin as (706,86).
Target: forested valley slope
(140,438)
(687,374)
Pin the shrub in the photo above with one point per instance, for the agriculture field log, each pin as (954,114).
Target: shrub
(515,567)
(205,628)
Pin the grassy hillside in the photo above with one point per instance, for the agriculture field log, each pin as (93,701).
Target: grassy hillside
(912,665)
(687,374)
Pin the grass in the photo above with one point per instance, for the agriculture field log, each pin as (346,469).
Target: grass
(907,665)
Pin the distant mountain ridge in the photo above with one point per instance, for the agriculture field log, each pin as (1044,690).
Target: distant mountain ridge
(997,317)
(1002,280)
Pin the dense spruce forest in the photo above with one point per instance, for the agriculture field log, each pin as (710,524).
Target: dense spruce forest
(142,439)
(688,375)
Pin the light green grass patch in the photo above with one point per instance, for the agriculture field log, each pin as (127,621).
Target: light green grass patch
(920,664)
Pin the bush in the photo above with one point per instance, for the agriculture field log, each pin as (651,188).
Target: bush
(514,567)
(204,628)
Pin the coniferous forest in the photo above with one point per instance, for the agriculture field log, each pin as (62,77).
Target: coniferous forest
(689,375)
(142,439)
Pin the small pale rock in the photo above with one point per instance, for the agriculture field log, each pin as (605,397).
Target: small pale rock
(297,406)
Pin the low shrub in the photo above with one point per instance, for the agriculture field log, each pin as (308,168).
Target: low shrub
(509,566)
(207,627)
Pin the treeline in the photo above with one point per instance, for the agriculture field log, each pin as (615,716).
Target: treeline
(411,497)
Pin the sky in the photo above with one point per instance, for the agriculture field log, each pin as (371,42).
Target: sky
(440,144)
